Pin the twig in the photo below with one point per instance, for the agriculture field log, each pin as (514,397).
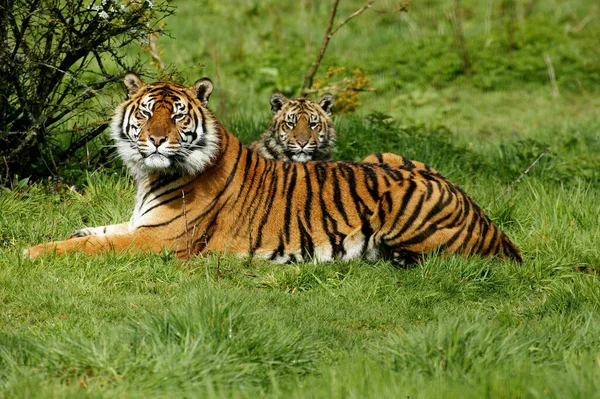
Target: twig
(510,187)
(337,88)
(154,51)
(583,23)
(548,60)
(187,241)
(353,15)
(78,81)
(329,32)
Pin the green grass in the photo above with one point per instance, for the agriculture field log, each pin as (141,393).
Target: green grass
(148,325)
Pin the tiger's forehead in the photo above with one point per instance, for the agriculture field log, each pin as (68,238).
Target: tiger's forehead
(301,106)
(166,94)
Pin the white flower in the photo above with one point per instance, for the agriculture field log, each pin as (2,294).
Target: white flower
(122,9)
(150,3)
(103,14)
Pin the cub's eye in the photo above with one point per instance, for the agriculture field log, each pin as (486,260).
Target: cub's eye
(313,125)
(289,124)
(146,114)
(178,117)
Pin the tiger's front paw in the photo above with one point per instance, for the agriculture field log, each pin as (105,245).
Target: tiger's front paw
(85,232)
(39,250)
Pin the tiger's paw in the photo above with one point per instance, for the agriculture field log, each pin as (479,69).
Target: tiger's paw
(39,250)
(85,232)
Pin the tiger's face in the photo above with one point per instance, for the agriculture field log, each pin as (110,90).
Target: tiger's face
(302,128)
(165,128)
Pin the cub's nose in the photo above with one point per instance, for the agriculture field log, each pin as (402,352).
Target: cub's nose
(157,140)
(302,144)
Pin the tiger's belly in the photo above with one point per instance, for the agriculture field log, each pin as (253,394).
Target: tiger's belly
(316,246)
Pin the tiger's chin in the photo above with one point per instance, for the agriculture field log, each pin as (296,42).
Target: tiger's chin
(301,157)
(157,163)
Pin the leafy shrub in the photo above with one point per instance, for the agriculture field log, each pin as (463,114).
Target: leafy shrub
(56,58)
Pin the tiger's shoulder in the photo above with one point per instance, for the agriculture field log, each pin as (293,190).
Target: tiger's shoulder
(301,129)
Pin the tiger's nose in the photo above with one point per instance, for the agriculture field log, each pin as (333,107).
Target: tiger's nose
(302,144)
(157,140)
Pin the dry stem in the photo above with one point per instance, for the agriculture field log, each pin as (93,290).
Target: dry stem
(510,187)
(187,241)
(154,51)
(329,32)
(548,61)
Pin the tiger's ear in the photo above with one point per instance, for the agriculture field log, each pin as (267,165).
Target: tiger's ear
(326,102)
(203,88)
(277,100)
(133,83)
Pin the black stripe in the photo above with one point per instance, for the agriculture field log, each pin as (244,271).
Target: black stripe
(226,186)
(254,206)
(329,223)
(405,200)
(337,196)
(159,224)
(174,198)
(270,199)
(308,201)
(307,247)
(288,205)
(361,208)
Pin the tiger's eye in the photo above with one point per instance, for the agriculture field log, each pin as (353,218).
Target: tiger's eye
(143,113)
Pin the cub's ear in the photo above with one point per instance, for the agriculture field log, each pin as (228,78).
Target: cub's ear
(277,100)
(326,102)
(133,83)
(203,88)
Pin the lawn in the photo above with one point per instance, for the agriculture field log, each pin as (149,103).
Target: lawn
(149,325)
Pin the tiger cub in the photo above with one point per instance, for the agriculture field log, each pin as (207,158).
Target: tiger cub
(200,190)
(301,129)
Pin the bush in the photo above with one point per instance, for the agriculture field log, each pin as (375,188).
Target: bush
(55,58)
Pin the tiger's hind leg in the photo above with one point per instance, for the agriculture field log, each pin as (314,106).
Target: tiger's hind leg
(367,241)
(421,216)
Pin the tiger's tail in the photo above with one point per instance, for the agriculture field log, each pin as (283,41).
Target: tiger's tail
(509,250)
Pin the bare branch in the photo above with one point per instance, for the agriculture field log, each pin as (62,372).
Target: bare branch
(78,81)
(154,51)
(510,187)
(338,88)
(329,32)
(353,15)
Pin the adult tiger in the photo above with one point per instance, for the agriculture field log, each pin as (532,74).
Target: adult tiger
(301,130)
(199,189)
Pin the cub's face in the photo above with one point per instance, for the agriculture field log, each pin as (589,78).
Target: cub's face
(302,127)
(165,128)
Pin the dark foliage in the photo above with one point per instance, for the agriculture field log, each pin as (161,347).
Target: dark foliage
(57,60)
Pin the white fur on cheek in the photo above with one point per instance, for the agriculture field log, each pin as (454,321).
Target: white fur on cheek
(201,152)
